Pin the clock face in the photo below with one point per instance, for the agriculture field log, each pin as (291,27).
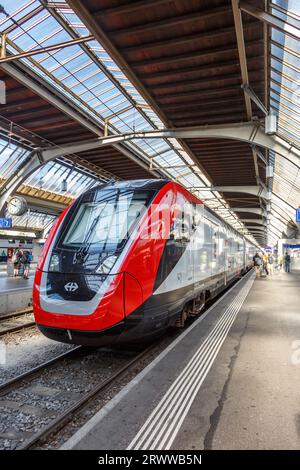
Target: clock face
(17,206)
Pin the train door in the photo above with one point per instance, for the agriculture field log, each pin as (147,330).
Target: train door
(222,252)
(215,248)
(187,272)
(178,271)
(246,254)
(199,255)
(225,255)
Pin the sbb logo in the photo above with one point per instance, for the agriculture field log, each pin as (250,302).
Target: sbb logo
(71,287)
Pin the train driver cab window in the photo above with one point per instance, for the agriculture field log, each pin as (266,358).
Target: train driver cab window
(107,219)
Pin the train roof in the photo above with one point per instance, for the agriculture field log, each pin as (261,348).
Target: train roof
(154,184)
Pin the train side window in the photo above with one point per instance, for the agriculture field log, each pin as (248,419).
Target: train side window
(175,232)
(182,227)
(198,214)
(174,249)
(215,245)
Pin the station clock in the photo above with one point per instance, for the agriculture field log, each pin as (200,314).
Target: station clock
(17,205)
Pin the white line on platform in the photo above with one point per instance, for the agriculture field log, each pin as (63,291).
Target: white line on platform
(162,426)
(100,415)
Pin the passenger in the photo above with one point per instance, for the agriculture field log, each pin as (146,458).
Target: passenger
(270,264)
(17,262)
(265,264)
(257,262)
(287,263)
(26,258)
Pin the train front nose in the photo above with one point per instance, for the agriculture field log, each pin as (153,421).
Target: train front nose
(74,287)
(80,286)
(79,308)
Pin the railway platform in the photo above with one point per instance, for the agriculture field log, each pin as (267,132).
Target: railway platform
(230,381)
(15,293)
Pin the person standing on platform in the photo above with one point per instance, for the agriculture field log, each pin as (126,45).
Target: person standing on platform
(270,264)
(26,264)
(257,262)
(17,262)
(265,264)
(287,262)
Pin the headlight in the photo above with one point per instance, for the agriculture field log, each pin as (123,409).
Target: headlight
(106,265)
(54,263)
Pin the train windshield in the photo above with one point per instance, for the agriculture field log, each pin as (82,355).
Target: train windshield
(104,219)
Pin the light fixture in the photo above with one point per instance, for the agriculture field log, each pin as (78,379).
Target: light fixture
(64,186)
(270,124)
(269,171)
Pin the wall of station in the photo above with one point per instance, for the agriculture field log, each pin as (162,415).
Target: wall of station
(7,248)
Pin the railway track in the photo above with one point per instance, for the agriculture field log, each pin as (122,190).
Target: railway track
(16,321)
(57,402)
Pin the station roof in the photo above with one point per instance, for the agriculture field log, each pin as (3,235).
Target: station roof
(150,64)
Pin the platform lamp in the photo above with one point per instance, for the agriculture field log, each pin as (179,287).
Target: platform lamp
(271,124)
(64,186)
(64,183)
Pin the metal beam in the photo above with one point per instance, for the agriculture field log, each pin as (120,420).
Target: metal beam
(191,55)
(169,22)
(43,205)
(93,25)
(270,19)
(254,228)
(253,221)
(238,23)
(248,210)
(131,7)
(250,132)
(62,104)
(51,98)
(123,90)
(253,96)
(242,52)
(253,190)
(208,68)
(41,50)
(184,39)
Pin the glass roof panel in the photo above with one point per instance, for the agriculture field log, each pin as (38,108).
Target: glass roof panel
(285,102)
(33,221)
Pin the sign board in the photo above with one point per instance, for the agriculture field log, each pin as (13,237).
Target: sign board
(298,215)
(17,234)
(5,223)
(291,246)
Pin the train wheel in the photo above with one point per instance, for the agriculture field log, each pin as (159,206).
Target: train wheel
(182,318)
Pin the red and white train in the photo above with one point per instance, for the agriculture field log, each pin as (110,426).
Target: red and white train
(128,259)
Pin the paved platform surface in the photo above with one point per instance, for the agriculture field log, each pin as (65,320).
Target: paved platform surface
(230,382)
(15,293)
(14,283)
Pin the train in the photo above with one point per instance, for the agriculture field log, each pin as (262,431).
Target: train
(129,259)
